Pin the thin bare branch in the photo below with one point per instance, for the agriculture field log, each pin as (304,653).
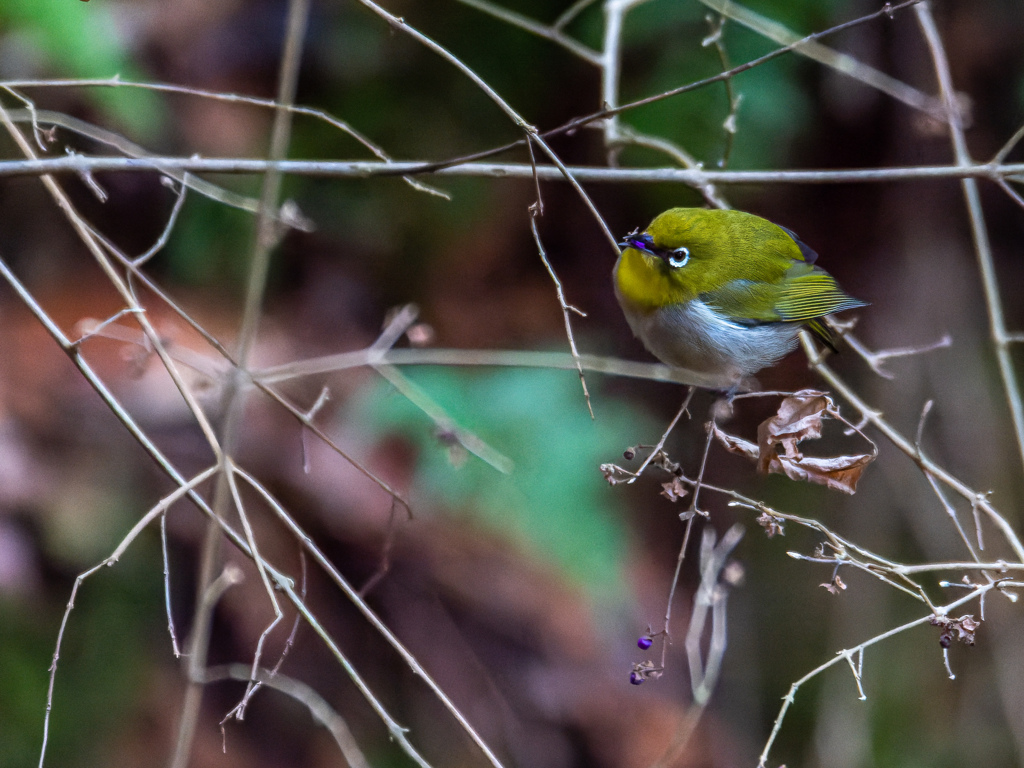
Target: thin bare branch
(447,428)
(352,594)
(657,450)
(351,169)
(160,510)
(487,357)
(979,231)
(115,140)
(619,7)
(845,654)
(318,707)
(225,493)
(565,306)
(570,13)
(876,359)
(874,417)
(552,33)
(840,62)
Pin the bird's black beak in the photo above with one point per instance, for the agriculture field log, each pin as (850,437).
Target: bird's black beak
(641,242)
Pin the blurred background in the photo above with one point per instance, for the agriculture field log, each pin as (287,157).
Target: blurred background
(522,594)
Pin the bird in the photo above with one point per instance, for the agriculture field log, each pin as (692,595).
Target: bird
(723,293)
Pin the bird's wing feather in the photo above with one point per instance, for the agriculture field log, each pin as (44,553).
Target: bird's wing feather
(809,254)
(812,295)
(747,302)
(809,294)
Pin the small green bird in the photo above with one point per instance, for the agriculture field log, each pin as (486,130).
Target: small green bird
(723,292)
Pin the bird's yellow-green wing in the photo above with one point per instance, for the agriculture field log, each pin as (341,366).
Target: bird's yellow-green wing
(812,295)
(747,302)
(803,297)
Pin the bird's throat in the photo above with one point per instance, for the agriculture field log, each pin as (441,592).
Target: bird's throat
(640,281)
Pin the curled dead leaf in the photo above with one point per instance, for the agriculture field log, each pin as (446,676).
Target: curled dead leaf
(840,473)
(734,444)
(834,586)
(800,417)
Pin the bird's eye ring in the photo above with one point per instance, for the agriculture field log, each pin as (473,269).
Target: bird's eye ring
(678,257)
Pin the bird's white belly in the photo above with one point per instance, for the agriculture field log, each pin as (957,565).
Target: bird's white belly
(695,337)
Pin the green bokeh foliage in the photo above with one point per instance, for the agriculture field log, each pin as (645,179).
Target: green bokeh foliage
(555,503)
(85,40)
(101,674)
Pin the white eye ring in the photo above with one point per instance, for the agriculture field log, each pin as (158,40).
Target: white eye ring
(677,258)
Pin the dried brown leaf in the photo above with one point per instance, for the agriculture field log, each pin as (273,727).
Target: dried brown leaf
(840,473)
(799,418)
(834,586)
(674,490)
(772,525)
(734,444)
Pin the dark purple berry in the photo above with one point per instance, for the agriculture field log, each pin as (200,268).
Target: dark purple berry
(644,643)
(635,679)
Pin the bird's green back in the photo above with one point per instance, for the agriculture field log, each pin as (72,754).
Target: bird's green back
(745,267)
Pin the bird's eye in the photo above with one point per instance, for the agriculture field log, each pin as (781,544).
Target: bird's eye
(678,257)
